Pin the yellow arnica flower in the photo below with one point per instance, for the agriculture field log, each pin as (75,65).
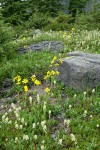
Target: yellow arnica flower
(46,77)
(52,62)
(61,61)
(24,81)
(57,72)
(55,57)
(33,78)
(50,66)
(17,79)
(18,82)
(52,72)
(25,88)
(47,90)
(37,82)
(56,64)
(48,73)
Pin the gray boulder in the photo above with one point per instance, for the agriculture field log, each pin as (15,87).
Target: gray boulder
(44,45)
(80,70)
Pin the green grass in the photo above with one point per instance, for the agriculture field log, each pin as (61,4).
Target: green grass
(60,119)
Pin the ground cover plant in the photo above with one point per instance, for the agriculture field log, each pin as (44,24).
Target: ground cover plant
(44,114)
(37,112)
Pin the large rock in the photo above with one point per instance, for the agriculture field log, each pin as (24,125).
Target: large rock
(44,45)
(80,70)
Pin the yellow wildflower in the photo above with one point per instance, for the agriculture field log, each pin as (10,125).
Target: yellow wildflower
(17,79)
(57,72)
(37,82)
(61,61)
(25,88)
(33,78)
(46,77)
(55,57)
(47,90)
(18,82)
(24,81)
(56,64)
(52,62)
(48,73)
(52,72)
(50,65)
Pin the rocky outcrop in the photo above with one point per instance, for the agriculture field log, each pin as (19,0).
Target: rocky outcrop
(80,70)
(44,45)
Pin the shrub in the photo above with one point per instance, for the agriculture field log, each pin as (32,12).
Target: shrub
(38,20)
(6,47)
(17,12)
(61,22)
(90,20)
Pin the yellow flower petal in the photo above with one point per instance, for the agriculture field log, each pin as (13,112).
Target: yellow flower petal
(33,78)
(24,81)
(37,82)
(47,90)
(61,61)
(57,72)
(25,88)
(56,64)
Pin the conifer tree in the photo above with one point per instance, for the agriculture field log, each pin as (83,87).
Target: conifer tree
(17,11)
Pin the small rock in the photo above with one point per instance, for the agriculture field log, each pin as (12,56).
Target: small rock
(44,45)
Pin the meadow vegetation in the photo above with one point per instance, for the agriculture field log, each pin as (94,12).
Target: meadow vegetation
(33,119)
(43,114)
